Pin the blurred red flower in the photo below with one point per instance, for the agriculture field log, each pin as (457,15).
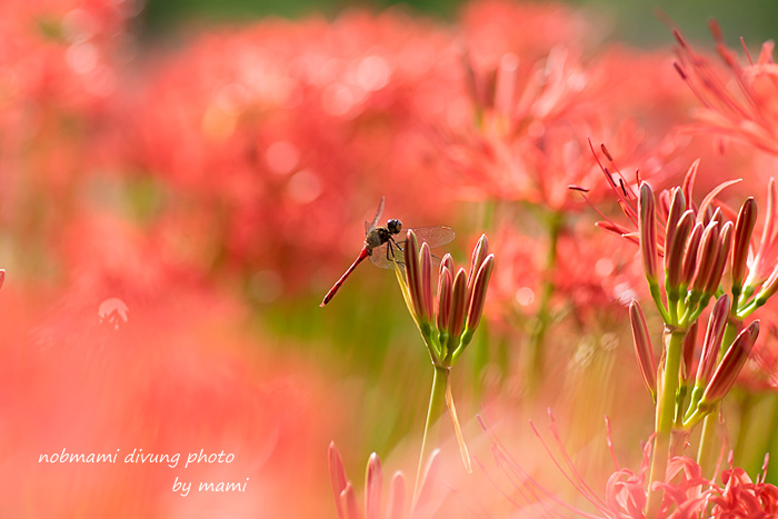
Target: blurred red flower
(280,134)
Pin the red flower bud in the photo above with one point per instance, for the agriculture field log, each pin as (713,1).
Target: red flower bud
(647,226)
(478,293)
(712,343)
(458,297)
(746,220)
(729,368)
(675,252)
(643,348)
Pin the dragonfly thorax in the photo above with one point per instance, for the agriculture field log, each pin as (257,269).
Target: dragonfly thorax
(380,235)
(376,238)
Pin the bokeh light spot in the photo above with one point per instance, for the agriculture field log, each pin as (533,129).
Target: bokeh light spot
(604,267)
(282,157)
(113,312)
(304,187)
(525,296)
(373,73)
(82,57)
(337,99)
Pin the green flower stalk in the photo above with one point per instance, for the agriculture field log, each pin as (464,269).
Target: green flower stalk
(697,245)
(446,325)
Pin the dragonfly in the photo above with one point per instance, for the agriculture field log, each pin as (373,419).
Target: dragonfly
(381,245)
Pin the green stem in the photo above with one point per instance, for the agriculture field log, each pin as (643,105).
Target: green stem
(665,417)
(705,458)
(538,335)
(437,407)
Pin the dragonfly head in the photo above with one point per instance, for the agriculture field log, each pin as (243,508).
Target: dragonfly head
(394,226)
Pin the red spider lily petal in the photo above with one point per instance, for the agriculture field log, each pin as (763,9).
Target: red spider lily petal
(674,257)
(619,229)
(458,299)
(687,187)
(744,108)
(411,254)
(725,244)
(625,496)
(478,296)
(647,228)
(447,262)
(740,497)
(348,503)
(643,348)
(686,489)
(677,208)
(766,259)
(425,271)
(480,252)
(708,200)
(345,497)
(396,503)
(746,219)
(712,342)
(691,254)
(337,477)
(689,343)
(428,480)
(445,288)
(709,247)
(373,488)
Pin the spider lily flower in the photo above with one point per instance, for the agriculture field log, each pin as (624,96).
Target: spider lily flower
(460,300)
(686,492)
(755,271)
(460,304)
(765,261)
(745,111)
(694,258)
(695,243)
(397,505)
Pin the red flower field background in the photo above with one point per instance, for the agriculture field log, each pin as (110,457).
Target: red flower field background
(172,213)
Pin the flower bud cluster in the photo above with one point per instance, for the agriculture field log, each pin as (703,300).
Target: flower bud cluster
(448,323)
(715,375)
(697,248)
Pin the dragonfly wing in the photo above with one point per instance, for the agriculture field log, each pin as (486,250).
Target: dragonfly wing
(435,236)
(371,226)
(382,256)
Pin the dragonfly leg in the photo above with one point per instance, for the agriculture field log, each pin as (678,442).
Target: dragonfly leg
(390,255)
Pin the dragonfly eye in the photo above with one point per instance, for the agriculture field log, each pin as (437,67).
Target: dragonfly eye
(394,226)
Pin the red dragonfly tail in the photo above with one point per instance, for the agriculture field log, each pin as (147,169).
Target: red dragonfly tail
(362,255)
